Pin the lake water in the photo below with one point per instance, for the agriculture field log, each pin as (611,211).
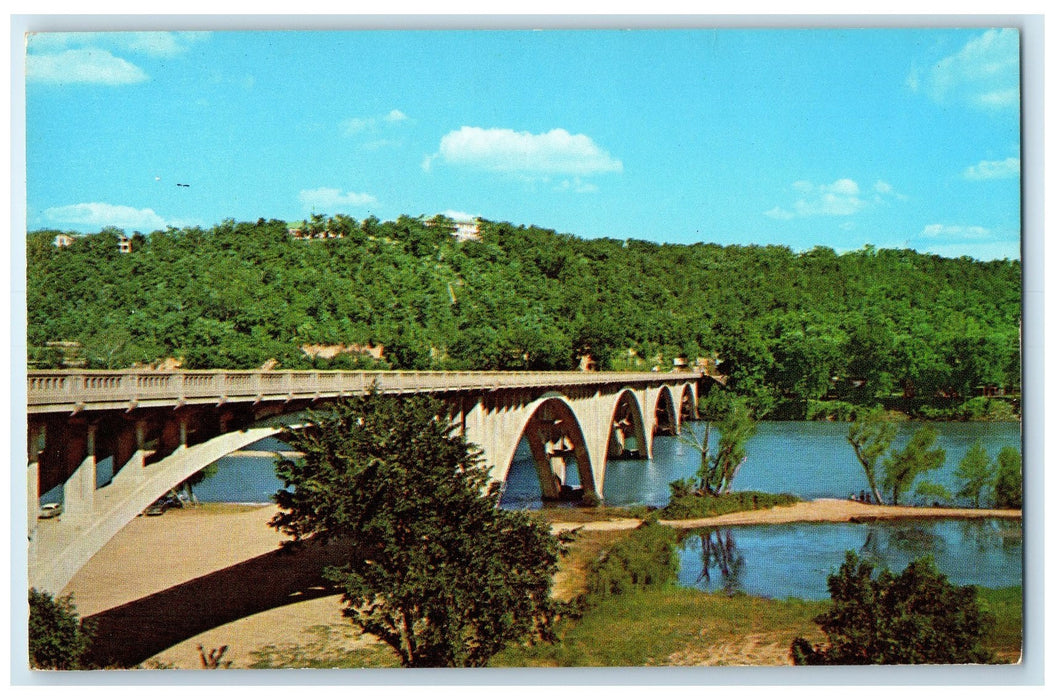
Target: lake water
(810,460)
(795,560)
(807,459)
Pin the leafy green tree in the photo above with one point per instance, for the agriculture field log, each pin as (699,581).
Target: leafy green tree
(915,617)
(919,456)
(441,574)
(871,435)
(930,492)
(58,638)
(1007,486)
(716,472)
(975,474)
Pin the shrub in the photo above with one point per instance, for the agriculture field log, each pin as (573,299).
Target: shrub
(687,503)
(987,408)
(58,639)
(648,558)
(915,617)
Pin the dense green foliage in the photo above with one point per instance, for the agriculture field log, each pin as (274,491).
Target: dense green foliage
(58,638)
(442,575)
(870,435)
(904,466)
(975,474)
(915,617)
(686,503)
(783,324)
(1007,483)
(716,472)
(648,558)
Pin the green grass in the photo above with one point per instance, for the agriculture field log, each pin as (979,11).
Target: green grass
(1005,605)
(684,506)
(675,626)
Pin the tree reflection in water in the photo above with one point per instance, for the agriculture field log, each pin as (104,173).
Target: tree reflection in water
(883,544)
(988,534)
(718,551)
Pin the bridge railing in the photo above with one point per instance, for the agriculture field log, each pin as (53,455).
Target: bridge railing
(79,388)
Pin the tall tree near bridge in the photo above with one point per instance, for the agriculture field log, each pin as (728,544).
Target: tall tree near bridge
(870,435)
(902,467)
(443,575)
(735,427)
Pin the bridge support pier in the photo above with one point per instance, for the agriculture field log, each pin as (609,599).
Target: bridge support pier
(160,428)
(130,452)
(79,491)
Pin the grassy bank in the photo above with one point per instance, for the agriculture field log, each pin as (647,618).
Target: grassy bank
(684,627)
(685,504)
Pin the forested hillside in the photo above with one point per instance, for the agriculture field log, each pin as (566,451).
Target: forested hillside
(783,324)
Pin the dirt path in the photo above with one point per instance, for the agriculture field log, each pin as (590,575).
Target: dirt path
(822,510)
(214,576)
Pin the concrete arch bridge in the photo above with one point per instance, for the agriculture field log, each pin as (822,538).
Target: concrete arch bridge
(159,428)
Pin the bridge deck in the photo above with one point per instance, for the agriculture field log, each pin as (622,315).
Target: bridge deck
(52,391)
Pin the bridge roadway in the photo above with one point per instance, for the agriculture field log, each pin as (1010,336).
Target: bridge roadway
(159,428)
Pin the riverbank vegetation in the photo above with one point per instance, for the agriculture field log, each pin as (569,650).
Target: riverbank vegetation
(687,504)
(913,617)
(893,476)
(918,332)
(441,574)
(660,624)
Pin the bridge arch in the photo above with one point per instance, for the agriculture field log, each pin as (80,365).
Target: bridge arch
(555,436)
(77,418)
(687,403)
(665,414)
(132,489)
(627,436)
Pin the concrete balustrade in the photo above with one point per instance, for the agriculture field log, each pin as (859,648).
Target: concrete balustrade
(161,427)
(59,390)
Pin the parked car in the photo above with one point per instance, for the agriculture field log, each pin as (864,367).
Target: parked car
(156,508)
(50,510)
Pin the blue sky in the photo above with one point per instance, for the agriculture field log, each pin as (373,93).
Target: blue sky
(834,137)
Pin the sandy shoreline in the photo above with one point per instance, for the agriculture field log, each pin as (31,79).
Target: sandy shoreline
(822,510)
(214,576)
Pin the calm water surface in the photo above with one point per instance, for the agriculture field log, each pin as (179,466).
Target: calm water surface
(795,560)
(810,460)
(807,459)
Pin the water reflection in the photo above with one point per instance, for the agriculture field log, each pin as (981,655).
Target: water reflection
(781,561)
(718,551)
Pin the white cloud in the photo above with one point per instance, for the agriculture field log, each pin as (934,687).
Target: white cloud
(840,198)
(578,185)
(781,214)
(82,66)
(956,231)
(524,153)
(332,198)
(984,73)
(459,215)
(993,169)
(159,44)
(359,125)
(101,214)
